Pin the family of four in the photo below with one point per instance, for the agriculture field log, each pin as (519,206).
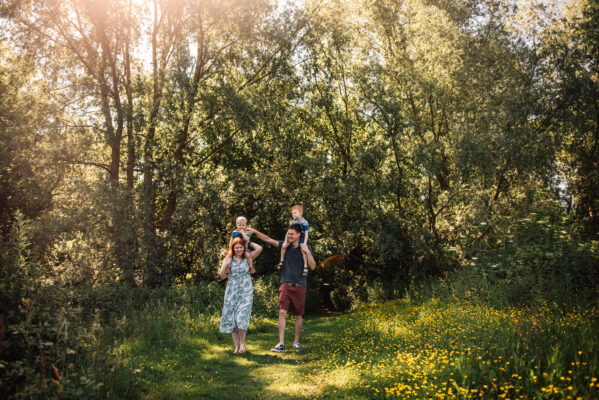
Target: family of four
(296,257)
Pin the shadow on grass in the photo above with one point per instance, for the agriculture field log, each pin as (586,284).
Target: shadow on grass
(197,364)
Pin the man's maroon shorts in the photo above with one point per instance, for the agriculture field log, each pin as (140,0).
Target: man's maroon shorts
(292,295)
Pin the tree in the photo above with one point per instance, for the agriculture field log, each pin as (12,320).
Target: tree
(29,129)
(571,51)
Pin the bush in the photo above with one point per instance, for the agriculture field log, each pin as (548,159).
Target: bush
(266,295)
(541,258)
(41,337)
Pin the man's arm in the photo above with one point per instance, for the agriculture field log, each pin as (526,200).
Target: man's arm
(309,257)
(263,237)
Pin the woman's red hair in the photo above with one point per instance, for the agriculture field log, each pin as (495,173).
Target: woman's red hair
(235,241)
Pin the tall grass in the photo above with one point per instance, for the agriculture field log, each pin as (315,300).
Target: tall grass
(464,350)
(69,343)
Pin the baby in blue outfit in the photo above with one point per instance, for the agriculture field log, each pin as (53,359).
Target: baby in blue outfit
(241,232)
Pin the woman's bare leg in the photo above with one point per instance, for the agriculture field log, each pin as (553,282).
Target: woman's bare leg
(241,341)
(235,336)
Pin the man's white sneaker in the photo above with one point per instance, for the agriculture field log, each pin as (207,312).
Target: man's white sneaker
(280,348)
(296,346)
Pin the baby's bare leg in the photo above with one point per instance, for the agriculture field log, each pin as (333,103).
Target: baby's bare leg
(305,257)
(283,250)
(248,257)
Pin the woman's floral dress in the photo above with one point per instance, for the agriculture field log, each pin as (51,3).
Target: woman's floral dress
(239,296)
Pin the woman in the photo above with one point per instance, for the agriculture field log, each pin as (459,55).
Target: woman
(237,306)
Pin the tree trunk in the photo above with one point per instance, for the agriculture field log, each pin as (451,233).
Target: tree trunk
(152,271)
(130,249)
(183,134)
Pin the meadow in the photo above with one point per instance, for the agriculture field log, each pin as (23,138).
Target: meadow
(519,323)
(408,349)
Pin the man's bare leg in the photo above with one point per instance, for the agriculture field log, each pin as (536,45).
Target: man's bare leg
(298,327)
(282,319)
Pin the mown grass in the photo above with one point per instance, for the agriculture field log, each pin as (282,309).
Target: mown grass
(398,349)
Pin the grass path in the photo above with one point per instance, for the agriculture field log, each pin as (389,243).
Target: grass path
(193,367)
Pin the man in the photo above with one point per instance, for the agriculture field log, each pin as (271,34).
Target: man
(292,291)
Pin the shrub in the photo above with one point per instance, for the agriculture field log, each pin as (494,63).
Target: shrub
(542,257)
(39,334)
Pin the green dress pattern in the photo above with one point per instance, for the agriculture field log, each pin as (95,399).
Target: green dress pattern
(239,296)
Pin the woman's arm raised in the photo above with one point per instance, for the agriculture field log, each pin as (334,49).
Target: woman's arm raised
(223,269)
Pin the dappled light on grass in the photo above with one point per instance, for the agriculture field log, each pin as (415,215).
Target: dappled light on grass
(290,389)
(215,352)
(398,349)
